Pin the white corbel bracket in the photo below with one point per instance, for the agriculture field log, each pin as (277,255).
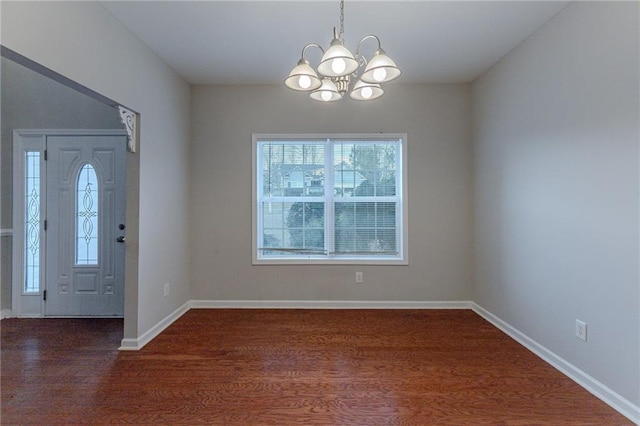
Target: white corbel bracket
(130,121)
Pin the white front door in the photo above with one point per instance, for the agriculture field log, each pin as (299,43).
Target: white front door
(85,225)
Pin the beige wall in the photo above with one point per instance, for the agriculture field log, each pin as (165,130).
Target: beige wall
(556,132)
(436,119)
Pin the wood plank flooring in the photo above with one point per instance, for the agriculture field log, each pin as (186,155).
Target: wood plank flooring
(287,367)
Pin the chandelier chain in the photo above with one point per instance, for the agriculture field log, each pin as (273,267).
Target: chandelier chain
(342,20)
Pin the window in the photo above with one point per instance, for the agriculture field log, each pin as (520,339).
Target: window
(329,199)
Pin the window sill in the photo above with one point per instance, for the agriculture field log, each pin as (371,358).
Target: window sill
(341,261)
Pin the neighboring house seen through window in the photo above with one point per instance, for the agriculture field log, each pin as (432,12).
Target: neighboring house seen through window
(329,199)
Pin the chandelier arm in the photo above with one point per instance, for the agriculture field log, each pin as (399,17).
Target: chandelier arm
(311,45)
(365,38)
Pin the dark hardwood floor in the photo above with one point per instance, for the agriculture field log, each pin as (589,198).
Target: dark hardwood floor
(287,367)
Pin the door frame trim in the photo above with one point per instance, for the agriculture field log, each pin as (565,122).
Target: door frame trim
(19,139)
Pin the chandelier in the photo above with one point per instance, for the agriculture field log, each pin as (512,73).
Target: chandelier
(338,66)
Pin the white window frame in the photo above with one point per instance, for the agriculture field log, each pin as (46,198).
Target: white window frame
(402,258)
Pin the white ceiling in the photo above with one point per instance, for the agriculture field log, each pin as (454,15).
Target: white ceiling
(259,42)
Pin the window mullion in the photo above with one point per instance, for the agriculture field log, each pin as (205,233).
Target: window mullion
(329,233)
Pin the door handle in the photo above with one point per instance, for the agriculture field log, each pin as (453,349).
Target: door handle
(120,239)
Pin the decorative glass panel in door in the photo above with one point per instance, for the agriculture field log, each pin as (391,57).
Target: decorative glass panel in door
(87,196)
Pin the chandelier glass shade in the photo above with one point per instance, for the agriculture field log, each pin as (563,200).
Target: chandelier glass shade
(337,61)
(363,91)
(380,69)
(338,66)
(303,78)
(327,92)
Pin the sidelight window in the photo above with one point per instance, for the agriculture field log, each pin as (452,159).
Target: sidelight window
(32,222)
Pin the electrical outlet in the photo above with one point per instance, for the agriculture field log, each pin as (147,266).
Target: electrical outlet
(581,330)
(359,278)
(166,289)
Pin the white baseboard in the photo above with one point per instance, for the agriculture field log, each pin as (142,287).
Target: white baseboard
(614,400)
(129,344)
(326,304)
(6,313)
